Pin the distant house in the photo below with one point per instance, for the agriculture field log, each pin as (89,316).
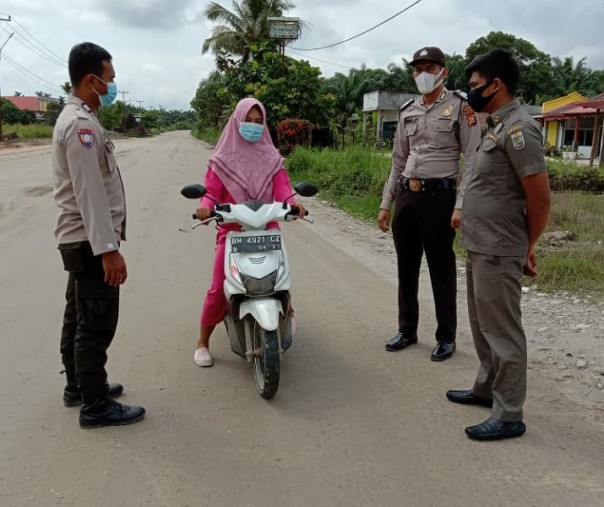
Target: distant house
(39,105)
(575,120)
(383,107)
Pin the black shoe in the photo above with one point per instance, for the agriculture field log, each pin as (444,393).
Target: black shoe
(468,398)
(493,429)
(72,396)
(442,351)
(400,341)
(106,412)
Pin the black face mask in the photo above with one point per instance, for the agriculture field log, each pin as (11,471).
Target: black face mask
(476,100)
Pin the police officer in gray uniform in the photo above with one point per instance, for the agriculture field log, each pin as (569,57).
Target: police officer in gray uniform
(433,130)
(89,192)
(505,210)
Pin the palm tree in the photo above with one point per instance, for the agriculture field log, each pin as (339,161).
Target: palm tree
(245,25)
(350,89)
(568,75)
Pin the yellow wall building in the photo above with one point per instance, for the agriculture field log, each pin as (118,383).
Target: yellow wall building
(552,128)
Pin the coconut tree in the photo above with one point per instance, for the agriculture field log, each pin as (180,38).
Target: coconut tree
(236,30)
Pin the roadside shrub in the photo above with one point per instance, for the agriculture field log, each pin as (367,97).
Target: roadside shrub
(352,172)
(566,177)
(293,133)
(33,131)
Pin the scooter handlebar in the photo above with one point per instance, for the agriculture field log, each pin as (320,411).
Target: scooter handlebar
(296,212)
(212,215)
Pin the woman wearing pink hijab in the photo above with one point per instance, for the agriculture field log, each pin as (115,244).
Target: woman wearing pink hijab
(245,165)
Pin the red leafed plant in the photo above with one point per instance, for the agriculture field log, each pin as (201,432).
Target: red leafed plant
(292,133)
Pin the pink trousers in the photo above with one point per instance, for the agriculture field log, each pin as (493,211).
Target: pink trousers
(215,305)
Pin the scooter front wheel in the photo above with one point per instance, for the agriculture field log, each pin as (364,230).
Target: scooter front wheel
(266,361)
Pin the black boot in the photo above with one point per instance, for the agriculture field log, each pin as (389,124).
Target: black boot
(106,412)
(72,396)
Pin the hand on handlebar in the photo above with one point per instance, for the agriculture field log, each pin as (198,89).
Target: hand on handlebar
(203,213)
(298,211)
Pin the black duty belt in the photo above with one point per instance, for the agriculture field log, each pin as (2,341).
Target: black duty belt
(430,185)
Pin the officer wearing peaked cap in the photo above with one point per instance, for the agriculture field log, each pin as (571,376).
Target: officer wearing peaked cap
(427,191)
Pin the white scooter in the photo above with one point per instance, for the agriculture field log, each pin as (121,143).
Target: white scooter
(258,281)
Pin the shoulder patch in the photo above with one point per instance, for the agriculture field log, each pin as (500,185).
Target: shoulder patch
(470,115)
(518,140)
(86,137)
(460,94)
(406,104)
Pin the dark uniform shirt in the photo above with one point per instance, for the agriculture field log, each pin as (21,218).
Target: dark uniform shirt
(494,208)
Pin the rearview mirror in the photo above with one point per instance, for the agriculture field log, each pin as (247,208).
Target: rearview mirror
(306,189)
(193,191)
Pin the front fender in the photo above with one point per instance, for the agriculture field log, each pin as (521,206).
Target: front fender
(266,311)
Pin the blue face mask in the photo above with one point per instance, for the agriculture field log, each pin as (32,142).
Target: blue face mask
(109,98)
(251,132)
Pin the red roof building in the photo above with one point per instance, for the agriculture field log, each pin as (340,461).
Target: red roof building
(579,124)
(38,105)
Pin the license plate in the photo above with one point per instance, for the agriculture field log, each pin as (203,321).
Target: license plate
(264,243)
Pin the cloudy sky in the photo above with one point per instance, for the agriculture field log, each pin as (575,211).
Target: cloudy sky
(156,44)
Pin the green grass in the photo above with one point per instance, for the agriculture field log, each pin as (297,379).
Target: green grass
(354,178)
(579,266)
(210,136)
(347,177)
(34,131)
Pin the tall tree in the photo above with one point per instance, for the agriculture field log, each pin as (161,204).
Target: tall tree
(457,79)
(212,102)
(568,76)
(66,86)
(349,89)
(400,79)
(534,64)
(245,25)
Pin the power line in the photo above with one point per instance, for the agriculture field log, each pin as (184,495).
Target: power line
(318,60)
(28,73)
(362,33)
(46,48)
(26,44)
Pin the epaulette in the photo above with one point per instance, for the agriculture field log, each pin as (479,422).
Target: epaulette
(406,105)
(462,95)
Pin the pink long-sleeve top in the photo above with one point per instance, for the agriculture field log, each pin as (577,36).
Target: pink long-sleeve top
(282,191)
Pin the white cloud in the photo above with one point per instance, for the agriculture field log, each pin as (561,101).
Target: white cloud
(156,44)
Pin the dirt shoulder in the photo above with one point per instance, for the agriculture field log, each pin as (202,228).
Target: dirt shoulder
(565,332)
(24,145)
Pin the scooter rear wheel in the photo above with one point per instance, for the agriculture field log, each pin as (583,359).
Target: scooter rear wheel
(266,361)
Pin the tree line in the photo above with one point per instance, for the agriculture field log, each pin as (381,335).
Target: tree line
(248,64)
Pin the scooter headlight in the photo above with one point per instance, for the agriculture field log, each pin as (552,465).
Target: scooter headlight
(260,286)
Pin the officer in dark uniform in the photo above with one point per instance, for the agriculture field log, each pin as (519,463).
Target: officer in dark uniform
(89,192)
(433,130)
(505,210)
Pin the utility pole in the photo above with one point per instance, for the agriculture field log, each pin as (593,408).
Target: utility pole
(123,92)
(1,48)
(139,103)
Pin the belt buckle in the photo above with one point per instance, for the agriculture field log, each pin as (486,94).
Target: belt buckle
(415,185)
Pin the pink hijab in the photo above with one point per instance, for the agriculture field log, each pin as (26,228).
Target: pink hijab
(246,169)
